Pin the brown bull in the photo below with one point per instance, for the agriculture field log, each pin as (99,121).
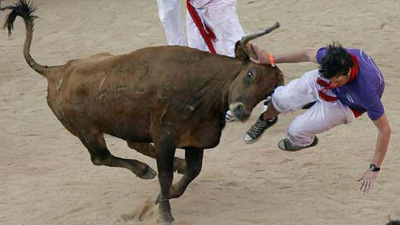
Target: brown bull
(174,97)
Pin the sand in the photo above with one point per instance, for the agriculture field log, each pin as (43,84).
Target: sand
(46,176)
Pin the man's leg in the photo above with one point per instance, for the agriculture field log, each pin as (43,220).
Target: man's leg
(222,17)
(295,95)
(170,15)
(195,40)
(321,117)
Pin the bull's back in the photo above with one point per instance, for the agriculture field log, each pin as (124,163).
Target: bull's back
(124,95)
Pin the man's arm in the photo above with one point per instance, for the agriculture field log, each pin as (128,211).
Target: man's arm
(308,55)
(382,143)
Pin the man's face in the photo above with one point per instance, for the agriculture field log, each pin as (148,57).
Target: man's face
(340,80)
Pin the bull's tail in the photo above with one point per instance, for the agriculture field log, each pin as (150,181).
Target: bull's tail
(24,9)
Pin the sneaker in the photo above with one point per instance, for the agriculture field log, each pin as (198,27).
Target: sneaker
(229,116)
(258,129)
(286,145)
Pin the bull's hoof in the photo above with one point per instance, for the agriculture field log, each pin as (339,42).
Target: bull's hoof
(165,220)
(149,174)
(176,192)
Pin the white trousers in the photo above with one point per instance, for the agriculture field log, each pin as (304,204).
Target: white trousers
(220,15)
(321,117)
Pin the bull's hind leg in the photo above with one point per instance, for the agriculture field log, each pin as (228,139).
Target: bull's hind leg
(194,160)
(149,150)
(100,155)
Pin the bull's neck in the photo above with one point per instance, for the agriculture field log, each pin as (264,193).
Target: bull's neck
(230,77)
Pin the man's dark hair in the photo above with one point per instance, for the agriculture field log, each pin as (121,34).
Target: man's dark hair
(336,61)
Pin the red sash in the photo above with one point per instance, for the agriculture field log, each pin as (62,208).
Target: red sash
(205,31)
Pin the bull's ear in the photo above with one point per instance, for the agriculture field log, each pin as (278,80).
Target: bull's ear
(240,53)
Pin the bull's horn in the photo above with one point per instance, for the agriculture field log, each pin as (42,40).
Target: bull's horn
(245,40)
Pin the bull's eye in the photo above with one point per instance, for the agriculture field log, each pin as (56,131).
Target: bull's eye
(250,74)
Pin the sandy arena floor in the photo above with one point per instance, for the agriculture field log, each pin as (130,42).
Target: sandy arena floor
(46,174)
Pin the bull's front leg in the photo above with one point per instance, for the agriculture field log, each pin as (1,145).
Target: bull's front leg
(165,163)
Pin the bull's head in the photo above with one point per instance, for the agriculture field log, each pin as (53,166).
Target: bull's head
(255,82)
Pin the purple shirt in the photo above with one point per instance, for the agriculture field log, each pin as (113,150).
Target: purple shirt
(364,93)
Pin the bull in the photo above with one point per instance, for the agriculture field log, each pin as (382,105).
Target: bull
(156,98)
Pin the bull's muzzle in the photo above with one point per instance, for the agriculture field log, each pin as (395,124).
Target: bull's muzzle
(239,111)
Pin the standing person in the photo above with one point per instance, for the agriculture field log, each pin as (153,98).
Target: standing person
(211,25)
(347,84)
